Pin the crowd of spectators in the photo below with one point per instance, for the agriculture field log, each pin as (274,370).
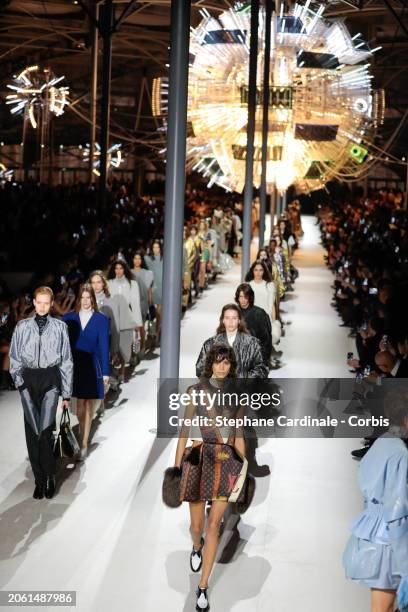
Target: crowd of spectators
(367,249)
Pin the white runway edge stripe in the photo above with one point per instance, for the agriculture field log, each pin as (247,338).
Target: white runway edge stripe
(108,535)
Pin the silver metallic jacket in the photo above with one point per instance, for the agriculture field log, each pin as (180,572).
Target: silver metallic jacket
(250,363)
(30,350)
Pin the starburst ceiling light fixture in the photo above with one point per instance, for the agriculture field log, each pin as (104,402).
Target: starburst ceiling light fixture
(5,173)
(115,156)
(36,89)
(323,111)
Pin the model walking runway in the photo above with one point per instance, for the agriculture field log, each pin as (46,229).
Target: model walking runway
(108,535)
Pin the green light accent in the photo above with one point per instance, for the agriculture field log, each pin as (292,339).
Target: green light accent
(358,153)
(245,9)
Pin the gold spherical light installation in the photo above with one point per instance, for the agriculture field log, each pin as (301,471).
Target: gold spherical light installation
(323,111)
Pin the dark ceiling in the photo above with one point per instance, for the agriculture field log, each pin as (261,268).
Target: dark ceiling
(57,33)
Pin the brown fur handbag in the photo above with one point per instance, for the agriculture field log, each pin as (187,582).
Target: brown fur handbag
(174,478)
(171,487)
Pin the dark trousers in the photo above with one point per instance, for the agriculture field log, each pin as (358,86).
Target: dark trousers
(40,452)
(40,399)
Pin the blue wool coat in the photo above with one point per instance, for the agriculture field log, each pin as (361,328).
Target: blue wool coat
(90,351)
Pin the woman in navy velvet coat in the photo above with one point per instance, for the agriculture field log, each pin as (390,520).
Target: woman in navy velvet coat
(88,332)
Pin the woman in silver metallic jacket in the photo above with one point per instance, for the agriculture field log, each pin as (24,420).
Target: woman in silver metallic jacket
(232,331)
(41,366)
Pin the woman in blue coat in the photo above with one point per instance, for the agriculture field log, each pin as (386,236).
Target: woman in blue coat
(377,551)
(88,332)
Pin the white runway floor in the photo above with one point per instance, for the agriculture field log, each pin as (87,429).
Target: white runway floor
(108,535)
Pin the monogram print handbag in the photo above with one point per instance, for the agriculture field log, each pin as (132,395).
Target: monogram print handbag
(191,473)
(223,472)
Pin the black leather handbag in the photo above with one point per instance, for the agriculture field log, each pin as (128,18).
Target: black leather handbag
(66,444)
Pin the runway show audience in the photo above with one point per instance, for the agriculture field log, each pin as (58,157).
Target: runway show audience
(367,250)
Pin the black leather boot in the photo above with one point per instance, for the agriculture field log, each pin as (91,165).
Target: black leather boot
(38,491)
(49,487)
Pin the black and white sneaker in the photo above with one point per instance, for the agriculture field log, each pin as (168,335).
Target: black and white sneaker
(203,604)
(196,559)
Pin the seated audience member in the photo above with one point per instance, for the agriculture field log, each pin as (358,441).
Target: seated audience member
(391,365)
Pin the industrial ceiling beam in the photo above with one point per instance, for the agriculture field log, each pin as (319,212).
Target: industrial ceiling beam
(397,17)
(127,11)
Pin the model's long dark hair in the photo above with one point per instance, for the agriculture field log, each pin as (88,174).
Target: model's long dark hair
(268,260)
(241,325)
(120,262)
(151,249)
(191,227)
(247,290)
(265,248)
(86,288)
(266,274)
(218,352)
(141,255)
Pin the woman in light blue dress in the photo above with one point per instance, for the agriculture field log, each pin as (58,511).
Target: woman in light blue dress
(376,554)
